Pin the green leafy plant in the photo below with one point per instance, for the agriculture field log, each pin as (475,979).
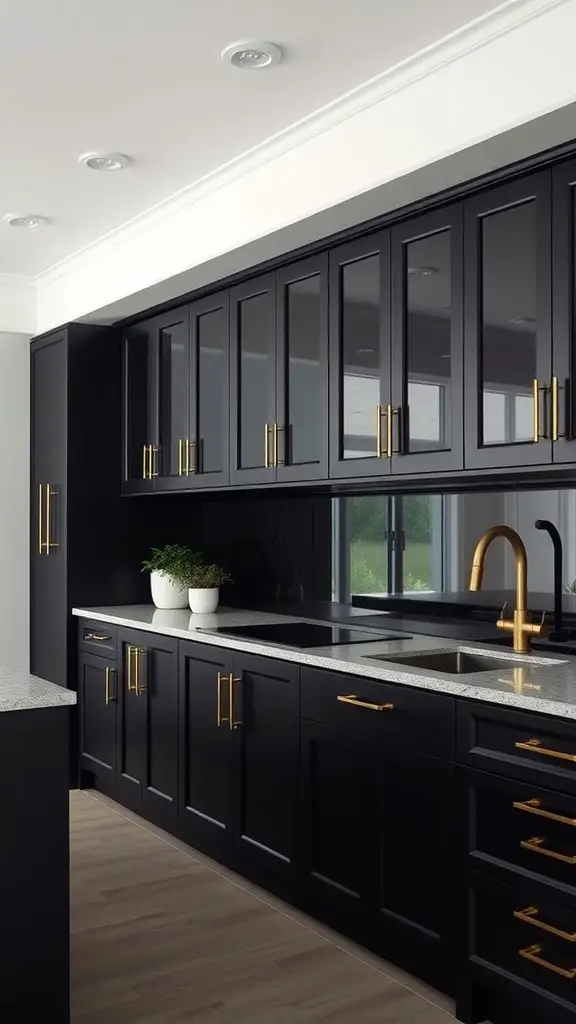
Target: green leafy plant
(570,588)
(205,577)
(173,560)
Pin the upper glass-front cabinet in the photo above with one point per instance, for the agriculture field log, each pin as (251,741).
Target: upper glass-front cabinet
(206,449)
(508,348)
(140,422)
(425,412)
(360,357)
(563,426)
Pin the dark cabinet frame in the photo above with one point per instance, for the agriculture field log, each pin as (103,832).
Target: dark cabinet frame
(564,307)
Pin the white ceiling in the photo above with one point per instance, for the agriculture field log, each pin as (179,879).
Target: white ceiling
(145,77)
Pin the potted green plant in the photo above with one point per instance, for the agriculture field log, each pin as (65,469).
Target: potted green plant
(169,567)
(204,582)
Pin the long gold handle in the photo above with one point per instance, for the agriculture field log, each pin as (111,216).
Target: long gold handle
(107,676)
(379,452)
(219,716)
(181,443)
(145,451)
(191,467)
(389,415)
(154,449)
(532,954)
(278,429)
(139,688)
(534,807)
(534,746)
(529,916)
(536,410)
(40,526)
(266,446)
(129,669)
(234,724)
(555,435)
(535,846)
(396,412)
(51,492)
(97,636)
(351,698)
(132,666)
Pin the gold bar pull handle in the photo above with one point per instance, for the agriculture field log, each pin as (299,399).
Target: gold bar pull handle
(536,410)
(191,464)
(145,451)
(267,463)
(396,412)
(536,845)
(154,449)
(219,716)
(534,807)
(379,452)
(530,916)
(40,523)
(97,636)
(534,746)
(278,429)
(233,721)
(107,676)
(139,686)
(181,443)
(51,492)
(532,953)
(389,425)
(351,698)
(129,668)
(555,388)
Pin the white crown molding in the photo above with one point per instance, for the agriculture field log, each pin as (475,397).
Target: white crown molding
(503,19)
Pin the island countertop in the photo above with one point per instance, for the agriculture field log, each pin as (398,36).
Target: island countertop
(20,691)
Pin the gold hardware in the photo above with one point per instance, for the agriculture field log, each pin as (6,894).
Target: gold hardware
(532,954)
(107,674)
(180,456)
(351,698)
(535,747)
(380,412)
(396,451)
(129,652)
(154,449)
(219,716)
(41,541)
(535,845)
(554,392)
(145,453)
(389,425)
(534,807)
(536,410)
(139,689)
(267,432)
(191,447)
(51,492)
(277,429)
(529,916)
(232,721)
(520,626)
(97,636)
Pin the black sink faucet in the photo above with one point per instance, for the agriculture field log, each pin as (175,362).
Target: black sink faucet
(558,633)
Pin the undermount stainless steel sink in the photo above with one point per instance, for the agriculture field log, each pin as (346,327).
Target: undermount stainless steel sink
(455,662)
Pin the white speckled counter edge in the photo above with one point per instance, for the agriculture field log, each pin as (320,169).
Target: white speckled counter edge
(545,684)
(20,691)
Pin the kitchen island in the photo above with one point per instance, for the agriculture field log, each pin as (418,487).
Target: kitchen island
(34,848)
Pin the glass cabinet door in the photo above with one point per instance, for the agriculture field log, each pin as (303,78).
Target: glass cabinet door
(508,325)
(253,379)
(171,332)
(207,459)
(563,425)
(426,403)
(139,418)
(360,357)
(300,434)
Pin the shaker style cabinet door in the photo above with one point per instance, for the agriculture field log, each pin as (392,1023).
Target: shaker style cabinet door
(253,381)
(98,714)
(206,449)
(360,357)
(300,430)
(563,405)
(508,340)
(425,411)
(140,422)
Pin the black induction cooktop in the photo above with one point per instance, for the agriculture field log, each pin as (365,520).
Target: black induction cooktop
(305,634)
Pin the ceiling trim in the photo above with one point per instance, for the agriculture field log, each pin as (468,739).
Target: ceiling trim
(509,16)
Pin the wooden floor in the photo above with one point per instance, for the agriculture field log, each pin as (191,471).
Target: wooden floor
(160,934)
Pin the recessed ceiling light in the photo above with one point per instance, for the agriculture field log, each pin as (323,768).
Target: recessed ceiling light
(522,320)
(252,54)
(26,220)
(105,161)
(422,271)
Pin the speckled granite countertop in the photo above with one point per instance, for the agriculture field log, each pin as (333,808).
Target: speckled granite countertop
(20,691)
(542,683)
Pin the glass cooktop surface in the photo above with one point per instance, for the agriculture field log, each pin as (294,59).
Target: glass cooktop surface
(305,634)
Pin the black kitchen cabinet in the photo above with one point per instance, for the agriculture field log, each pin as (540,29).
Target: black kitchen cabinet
(424,419)
(147,752)
(206,447)
(76,547)
(563,395)
(508,325)
(279,375)
(98,714)
(239,756)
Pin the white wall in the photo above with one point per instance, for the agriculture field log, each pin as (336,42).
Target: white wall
(14,491)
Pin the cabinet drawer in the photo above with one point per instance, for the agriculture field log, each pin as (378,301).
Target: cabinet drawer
(532,940)
(523,746)
(98,637)
(397,714)
(522,828)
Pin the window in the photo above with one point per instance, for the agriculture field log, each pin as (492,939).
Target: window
(388,545)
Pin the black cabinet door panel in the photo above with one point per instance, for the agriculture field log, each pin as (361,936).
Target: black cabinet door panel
(170,334)
(131,756)
(206,769)
(160,679)
(564,311)
(140,407)
(508,350)
(264,713)
(98,703)
(208,454)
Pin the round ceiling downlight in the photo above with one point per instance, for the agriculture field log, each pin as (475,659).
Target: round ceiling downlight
(105,161)
(26,220)
(252,54)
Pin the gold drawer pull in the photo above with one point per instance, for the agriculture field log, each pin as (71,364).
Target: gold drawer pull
(534,746)
(534,807)
(529,916)
(532,954)
(233,722)
(351,698)
(107,695)
(535,845)
(97,636)
(381,453)
(219,717)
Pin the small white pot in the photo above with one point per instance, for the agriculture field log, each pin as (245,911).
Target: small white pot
(165,593)
(203,600)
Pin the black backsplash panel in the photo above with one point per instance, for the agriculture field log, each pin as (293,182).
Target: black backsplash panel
(276,547)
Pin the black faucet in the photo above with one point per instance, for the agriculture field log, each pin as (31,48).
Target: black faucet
(558,633)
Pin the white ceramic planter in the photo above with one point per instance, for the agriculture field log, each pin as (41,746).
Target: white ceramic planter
(203,600)
(165,594)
